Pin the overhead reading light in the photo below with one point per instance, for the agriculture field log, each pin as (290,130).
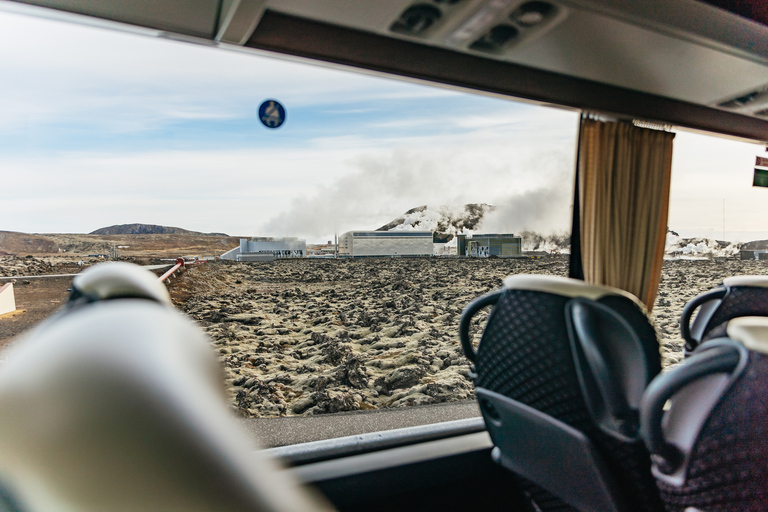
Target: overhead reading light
(416,19)
(486,15)
(761,113)
(532,13)
(495,39)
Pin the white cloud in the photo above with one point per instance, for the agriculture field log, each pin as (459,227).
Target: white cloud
(132,82)
(712,183)
(322,185)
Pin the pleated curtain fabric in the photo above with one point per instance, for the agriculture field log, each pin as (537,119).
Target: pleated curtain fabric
(624,179)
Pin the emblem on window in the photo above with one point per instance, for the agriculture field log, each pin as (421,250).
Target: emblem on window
(272,114)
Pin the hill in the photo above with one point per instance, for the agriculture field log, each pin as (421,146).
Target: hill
(147,229)
(756,245)
(129,245)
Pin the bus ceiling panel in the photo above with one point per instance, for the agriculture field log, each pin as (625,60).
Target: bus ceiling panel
(198,18)
(238,19)
(596,47)
(756,10)
(376,16)
(693,20)
(690,20)
(684,50)
(362,49)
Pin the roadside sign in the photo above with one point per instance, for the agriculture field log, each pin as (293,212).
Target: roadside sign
(761,172)
(761,178)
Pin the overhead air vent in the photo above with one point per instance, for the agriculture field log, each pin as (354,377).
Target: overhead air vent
(753,97)
(496,39)
(416,19)
(532,13)
(761,113)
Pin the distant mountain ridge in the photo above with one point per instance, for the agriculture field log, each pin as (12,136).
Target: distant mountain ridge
(147,229)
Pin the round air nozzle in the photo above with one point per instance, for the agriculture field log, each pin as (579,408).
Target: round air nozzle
(532,13)
(416,19)
(495,39)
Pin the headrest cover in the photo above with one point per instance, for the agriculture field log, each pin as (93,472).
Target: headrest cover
(119,280)
(760,281)
(565,286)
(752,331)
(120,406)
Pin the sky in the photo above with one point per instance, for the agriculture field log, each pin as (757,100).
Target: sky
(100,127)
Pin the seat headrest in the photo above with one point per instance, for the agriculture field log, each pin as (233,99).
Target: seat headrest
(121,406)
(120,280)
(757,281)
(565,286)
(751,331)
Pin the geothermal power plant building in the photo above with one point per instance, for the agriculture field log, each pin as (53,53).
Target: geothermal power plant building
(267,249)
(487,245)
(385,243)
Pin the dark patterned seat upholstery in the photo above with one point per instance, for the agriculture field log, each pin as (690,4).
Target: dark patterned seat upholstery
(565,357)
(737,297)
(706,423)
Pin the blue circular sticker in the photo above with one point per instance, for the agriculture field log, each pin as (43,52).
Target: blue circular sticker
(272,114)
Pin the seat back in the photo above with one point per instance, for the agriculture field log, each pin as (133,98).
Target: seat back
(706,422)
(738,296)
(117,403)
(561,356)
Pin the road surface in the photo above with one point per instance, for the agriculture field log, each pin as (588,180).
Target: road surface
(272,432)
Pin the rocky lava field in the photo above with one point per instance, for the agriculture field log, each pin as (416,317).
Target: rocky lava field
(303,337)
(314,336)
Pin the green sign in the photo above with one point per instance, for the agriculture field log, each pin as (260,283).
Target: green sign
(761,178)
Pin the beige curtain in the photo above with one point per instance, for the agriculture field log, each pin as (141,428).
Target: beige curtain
(624,177)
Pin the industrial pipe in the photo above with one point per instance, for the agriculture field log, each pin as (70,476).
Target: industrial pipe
(177,266)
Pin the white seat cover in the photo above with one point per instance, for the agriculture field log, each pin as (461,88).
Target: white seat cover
(119,406)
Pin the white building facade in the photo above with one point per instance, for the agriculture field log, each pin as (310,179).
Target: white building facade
(385,243)
(266,249)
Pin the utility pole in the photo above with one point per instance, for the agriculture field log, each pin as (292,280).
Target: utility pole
(723,219)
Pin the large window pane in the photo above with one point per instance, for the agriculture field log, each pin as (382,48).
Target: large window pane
(102,129)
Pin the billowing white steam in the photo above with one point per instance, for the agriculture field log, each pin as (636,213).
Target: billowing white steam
(678,247)
(531,191)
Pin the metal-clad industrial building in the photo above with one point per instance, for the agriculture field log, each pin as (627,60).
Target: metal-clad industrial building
(487,245)
(266,249)
(385,243)
(754,255)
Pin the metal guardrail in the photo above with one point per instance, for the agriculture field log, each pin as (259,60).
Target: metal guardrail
(180,263)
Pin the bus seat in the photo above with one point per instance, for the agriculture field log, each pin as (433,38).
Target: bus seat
(559,371)
(706,421)
(117,403)
(737,296)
